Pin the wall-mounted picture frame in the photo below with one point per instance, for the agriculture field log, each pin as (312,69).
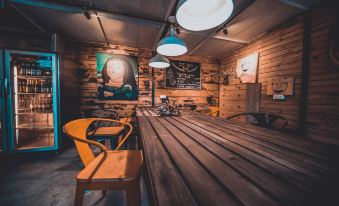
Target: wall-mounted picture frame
(117,77)
(280,86)
(247,68)
(183,75)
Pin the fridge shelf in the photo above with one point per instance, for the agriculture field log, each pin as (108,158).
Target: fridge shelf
(34,113)
(31,93)
(33,77)
(34,126)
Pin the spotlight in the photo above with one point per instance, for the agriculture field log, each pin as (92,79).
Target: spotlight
(87,14)
(225,31)
(177,30)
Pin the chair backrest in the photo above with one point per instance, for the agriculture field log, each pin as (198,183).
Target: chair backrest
(264,119)
(77,130)
(214,111)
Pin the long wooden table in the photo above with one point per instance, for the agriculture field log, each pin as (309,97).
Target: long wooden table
(197,159)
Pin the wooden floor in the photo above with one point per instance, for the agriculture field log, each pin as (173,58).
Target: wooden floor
(197,159)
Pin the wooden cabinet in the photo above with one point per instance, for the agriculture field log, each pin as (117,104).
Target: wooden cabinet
(235,99)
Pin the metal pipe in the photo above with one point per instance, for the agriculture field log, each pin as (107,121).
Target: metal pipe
(103,31)
(295,4)
(164,28)
(48,5)
(79,8)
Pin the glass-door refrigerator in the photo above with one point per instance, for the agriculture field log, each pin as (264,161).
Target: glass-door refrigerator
(31,101)
(2,105)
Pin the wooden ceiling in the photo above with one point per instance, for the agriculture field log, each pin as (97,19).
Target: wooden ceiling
(141,23)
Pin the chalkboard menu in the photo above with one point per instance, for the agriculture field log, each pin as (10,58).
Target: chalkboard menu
(183,75)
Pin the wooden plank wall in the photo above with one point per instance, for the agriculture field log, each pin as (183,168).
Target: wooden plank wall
(235,99)
(323,96)
(83,57)
(69,87)
(25,41)
(280,54)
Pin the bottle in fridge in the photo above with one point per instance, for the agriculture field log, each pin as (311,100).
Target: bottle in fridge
(31,96)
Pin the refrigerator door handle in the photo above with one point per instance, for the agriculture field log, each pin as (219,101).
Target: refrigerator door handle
(6,87)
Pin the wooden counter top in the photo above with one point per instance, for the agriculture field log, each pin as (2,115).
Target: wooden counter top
(197,159)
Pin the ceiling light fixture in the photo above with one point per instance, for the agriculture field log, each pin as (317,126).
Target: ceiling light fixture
(198,15)
(159,61)
(172,45)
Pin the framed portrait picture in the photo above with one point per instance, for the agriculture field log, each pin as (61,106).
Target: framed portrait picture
(117,77)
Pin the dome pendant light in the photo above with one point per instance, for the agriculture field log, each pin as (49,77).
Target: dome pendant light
(172,45)
(159,61)
(198,15)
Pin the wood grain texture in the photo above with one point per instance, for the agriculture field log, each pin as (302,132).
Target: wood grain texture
(280,53)
(222,162)
(235,99)
(79,71)
(323,94)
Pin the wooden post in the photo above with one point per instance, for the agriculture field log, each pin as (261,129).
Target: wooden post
(153,89)
(305,70)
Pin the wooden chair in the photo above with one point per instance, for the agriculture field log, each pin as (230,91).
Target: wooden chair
(109,132)
(265,120)
(214,111)
(110,170)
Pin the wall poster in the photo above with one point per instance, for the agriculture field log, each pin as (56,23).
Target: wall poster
(183,75)
(117,77)
(247,68)
(279,87)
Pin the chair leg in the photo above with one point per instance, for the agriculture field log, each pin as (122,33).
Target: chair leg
(79,194)
(104,193)
(133,194)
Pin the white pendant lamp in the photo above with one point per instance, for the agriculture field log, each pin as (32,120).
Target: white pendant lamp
(172,45)
(198,15)
(159,61)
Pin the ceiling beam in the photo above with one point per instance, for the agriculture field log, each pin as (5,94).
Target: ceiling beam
(164,28)
(23,14)
(219,37)
(295,4)
(242,7)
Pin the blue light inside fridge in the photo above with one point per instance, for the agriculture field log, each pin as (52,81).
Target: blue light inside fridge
(32,99)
